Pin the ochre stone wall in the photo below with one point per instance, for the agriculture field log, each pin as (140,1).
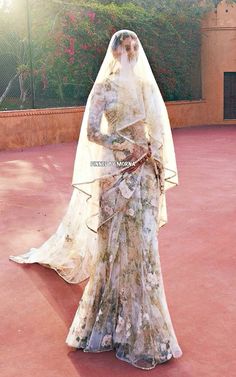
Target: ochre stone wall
(20,129)
(218,55)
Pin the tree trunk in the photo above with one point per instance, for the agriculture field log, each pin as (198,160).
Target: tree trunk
(3,96)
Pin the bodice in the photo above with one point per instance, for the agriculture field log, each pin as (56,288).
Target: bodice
(122,104)
(123,107)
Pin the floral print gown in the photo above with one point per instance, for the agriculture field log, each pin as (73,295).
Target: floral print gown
(123,306)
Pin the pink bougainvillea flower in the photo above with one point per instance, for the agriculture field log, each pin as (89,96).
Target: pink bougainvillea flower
(91,16)
(164,70)
(71,49)
(72,17)
(72,45)
(71,60)
(85,47)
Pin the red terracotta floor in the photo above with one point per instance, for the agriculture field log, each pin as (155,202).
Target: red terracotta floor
(197,249)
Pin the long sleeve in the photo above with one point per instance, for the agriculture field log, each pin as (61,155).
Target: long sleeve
(97,107)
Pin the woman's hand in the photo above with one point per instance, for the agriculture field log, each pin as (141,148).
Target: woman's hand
(130,151)
(136,152)
(121,146)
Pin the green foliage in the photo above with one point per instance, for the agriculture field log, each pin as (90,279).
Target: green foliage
(69,40)
(76,40)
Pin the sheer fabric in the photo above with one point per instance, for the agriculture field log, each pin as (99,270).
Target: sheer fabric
(110,230)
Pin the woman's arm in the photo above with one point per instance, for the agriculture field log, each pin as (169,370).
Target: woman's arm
(94,134)
(97,106)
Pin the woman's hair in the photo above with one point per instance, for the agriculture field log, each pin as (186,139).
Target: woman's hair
(120,36)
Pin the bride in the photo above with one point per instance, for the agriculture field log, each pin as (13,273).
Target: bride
(125,162)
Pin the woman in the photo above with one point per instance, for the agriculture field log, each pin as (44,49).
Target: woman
(125,162)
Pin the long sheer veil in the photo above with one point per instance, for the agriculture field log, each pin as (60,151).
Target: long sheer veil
(72,248)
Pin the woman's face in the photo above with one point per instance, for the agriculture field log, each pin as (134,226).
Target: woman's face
(129,47)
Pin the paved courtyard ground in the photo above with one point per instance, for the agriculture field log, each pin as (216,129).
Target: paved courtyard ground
(197,251)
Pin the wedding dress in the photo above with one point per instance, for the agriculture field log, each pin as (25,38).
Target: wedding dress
(110,230)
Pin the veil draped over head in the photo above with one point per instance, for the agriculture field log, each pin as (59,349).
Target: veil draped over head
(138,117)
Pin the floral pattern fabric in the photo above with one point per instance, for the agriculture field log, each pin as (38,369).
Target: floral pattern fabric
(123,306)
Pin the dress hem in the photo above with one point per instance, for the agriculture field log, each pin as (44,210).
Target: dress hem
(127,361)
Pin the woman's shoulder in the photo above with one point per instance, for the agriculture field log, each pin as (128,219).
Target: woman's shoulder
(105,85)
(99,88)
